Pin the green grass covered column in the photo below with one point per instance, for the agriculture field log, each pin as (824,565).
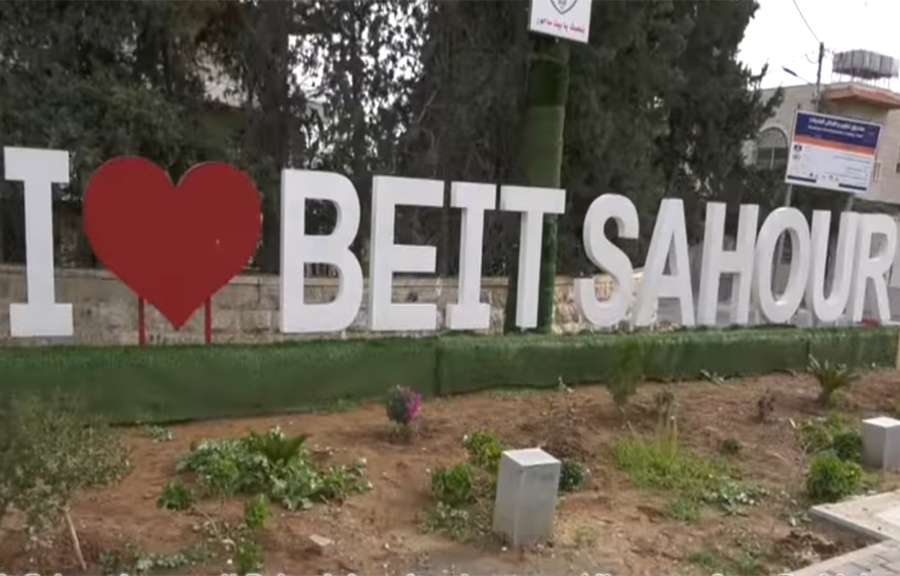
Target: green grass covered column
(541,160)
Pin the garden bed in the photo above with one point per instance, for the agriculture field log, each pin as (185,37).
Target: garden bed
(610,524)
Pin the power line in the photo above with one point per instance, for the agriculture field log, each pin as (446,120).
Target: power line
(802,17)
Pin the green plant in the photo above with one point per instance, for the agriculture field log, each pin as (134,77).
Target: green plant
(685,509)
(175,496)
(665,407)
(402,405)
(484,449)
(458,523)
(248,557)
(52,446)
(730,446)
(628,371)
(159,433)
(256,511)
(831,479)
(148,563)
(660,462)
(270,464)
(847,445)
(277,448)
(454,486)
(571,476)
(765,406)
(831,377)
(830,434)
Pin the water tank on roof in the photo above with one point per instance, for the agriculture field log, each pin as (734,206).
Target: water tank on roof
(865,64)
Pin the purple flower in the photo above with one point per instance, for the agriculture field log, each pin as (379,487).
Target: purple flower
(403,405)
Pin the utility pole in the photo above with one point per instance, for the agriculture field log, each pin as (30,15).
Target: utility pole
(789,193)
(819,75)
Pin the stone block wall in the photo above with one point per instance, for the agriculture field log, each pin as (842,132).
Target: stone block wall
(246,310)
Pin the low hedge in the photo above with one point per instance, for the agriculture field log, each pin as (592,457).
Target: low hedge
(540,361)
(177,382)
(185,382)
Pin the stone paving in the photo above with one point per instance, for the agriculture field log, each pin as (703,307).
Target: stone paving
(881,559)
(876,516)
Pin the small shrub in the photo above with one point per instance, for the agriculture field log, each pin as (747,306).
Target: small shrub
(272,464)
(454,486)
(159,433)
(484,450)
(847,445)
(276,448)
(831,479)
(51,447)
(832,378)
(571,476)
(175,496)
(765,406)
(831,435)
(665,407)
(153,562)
(816,434)
(627,374)
(659,462)
(685,509)
(402,405)
(248,558)
(457,523)
(730,446)
(256,511)
(730,495)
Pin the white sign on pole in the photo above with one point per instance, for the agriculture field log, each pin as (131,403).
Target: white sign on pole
(832,152)
(566,19)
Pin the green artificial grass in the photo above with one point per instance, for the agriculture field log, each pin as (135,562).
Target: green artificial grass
(167,383)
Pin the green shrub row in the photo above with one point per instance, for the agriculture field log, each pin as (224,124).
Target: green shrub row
(160,383)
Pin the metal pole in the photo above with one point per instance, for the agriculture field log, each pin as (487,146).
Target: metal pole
(819,73)
(789,193)
(788,196)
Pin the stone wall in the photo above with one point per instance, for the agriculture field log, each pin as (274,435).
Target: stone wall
(244,311)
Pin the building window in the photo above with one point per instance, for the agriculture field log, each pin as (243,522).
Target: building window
(771,150)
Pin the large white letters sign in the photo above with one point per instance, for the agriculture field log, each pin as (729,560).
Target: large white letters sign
(38,170)
(866,257)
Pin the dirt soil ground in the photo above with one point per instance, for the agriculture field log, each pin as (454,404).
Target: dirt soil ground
(610,526)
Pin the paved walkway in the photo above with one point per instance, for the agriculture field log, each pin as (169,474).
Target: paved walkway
(876,516)
(878,560)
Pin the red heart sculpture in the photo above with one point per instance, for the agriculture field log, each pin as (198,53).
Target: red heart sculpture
(174,246)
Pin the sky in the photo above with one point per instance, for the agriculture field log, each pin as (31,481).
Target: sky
(779,36)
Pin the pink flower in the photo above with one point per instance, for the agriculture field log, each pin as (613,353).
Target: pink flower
(403,405)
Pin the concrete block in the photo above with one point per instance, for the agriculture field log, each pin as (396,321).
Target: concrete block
(525,502)
(881,443)
(321,544)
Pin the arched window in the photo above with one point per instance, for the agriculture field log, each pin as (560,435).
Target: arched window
(772,149)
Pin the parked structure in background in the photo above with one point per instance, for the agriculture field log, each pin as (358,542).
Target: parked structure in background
(860,89)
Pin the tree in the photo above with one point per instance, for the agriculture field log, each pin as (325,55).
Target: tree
(103,79)
(712,111)
(658,104)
